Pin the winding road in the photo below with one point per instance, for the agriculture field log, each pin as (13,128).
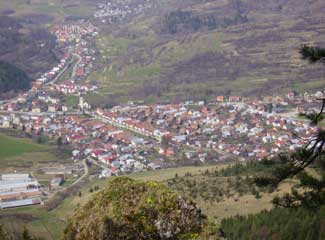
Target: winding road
(74,70)
(75,67)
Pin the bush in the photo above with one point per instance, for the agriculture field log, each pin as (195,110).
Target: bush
(129,209)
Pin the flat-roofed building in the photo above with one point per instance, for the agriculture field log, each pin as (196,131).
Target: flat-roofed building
(10,186)
(20,203)
(10,177)
(8,196)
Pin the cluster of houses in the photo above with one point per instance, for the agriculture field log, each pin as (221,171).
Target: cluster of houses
(75,39)
(51,74)
(69,87)
(304,102)
(116,10)
(132,124)
(87,57)
(17,190)
(36,102)
(117,150)
(40,97)
(133,137)
(250,129)
(73,32)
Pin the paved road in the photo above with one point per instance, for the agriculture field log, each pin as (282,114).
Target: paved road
(74,70)
(75,67)
(58,76)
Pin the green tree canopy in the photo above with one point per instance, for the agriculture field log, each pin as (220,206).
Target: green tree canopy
(129,209)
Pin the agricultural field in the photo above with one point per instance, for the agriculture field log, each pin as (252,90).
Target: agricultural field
(132,67)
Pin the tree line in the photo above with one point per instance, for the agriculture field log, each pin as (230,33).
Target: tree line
(184,21)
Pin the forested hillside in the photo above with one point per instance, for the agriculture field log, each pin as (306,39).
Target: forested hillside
(289,224)
(12,78)
(24,48)
(28,47)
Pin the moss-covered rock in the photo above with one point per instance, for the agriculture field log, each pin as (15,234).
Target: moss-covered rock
(129,209)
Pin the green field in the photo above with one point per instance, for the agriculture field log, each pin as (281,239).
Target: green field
(71,100)
(13,147)
(21,154)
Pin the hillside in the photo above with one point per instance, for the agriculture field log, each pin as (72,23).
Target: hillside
(278,223)
(174,50)
(198,49)
(12,78)
(30,48)
(50,224)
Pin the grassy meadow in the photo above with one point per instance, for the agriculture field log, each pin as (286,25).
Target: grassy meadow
(22,154)
(13,147)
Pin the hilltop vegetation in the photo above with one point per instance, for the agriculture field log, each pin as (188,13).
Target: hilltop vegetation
(49,225)
(128,209)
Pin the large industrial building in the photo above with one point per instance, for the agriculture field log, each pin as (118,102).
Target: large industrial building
(19,190)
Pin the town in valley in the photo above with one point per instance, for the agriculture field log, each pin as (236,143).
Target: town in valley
(135,137)
(162,119)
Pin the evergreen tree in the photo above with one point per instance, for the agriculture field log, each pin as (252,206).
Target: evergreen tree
(26,235)
(312,54)
(294,164)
